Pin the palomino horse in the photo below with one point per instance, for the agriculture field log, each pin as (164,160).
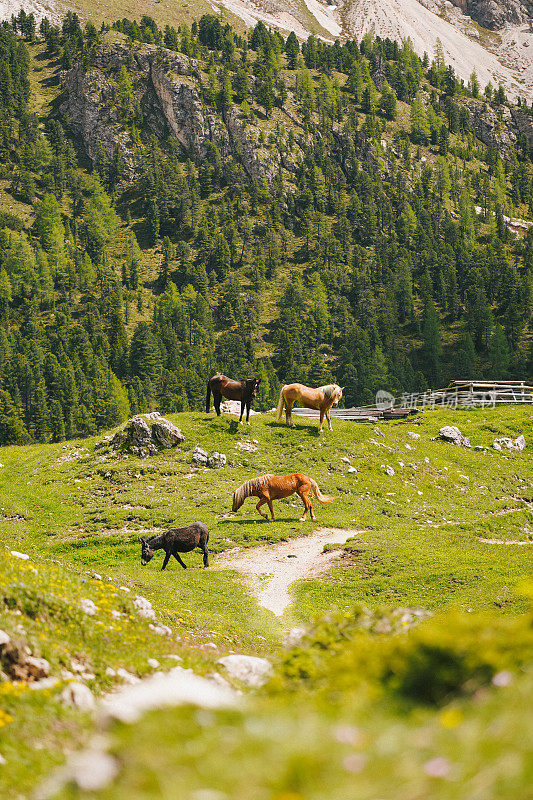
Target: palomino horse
(322,399)
(273,487)
(221,387)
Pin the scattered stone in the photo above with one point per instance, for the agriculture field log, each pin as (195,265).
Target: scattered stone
(110,672)
(208,646)
(250,670)
(249,447)
(345,459)
(200,456)
(78,695)
(161,630)
(503,678)
(115,614)
(23,556)
(162,690)
(154,663)
(127,677)
(143,607)
(437,767)
(89,770)
(36,668)
(87,606)
(388,469)
(413,435)
(216,460)
(510,444)
(294,636)
(5,639)
(352,469)
(452,434)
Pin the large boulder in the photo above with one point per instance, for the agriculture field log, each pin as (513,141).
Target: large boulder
(166,434)
(452,434)
(144,435)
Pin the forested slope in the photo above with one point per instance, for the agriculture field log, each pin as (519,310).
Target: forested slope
(175,202)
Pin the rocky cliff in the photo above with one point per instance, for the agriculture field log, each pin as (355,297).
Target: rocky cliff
(167,89)
(495,14)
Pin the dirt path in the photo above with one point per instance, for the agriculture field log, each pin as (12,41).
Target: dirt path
(270,569)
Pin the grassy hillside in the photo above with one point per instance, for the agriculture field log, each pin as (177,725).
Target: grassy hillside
(77,510)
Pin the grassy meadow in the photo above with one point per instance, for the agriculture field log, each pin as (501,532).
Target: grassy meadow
(78,510)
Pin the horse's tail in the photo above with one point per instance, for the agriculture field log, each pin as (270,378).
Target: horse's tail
(322,498)
(208,398)
(281,403)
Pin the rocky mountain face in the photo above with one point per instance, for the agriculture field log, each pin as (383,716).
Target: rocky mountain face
(167,89)
(495,14)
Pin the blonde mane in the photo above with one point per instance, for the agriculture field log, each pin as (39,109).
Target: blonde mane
(330,390)
(248,488)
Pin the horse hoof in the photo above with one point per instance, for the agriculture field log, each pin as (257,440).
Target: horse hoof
(302,519)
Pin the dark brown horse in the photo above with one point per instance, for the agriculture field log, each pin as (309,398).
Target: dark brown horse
(176,541)
(221,387)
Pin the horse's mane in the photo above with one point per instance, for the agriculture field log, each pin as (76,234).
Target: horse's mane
(248,488)
(155,541)
(330,389)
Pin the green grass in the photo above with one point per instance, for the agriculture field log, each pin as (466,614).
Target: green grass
(78,510)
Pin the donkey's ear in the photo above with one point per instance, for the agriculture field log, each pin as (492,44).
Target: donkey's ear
(143,541)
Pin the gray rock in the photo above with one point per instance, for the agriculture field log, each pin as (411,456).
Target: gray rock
(452,434)
(250,670)
(216,460)
(200,456)
(505,443)
(139,433)
(163,690)
(5,639)
(78,695)
(166,434)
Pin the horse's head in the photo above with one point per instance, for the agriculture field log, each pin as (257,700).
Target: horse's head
(255,385)
(146,553)
(337,395)
(238,500)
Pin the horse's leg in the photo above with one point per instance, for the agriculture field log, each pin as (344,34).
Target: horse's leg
(288,412)
(248,403)
(217,398)
(321,420)
(206,554)
(243,406)
(165,562)
(305,500)
(258,506)
(329,420)
(271,507)
(177,557)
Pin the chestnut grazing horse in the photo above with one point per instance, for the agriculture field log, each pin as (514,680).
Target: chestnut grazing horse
(176,541)
(322,399)
(221,387)
(273,487)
